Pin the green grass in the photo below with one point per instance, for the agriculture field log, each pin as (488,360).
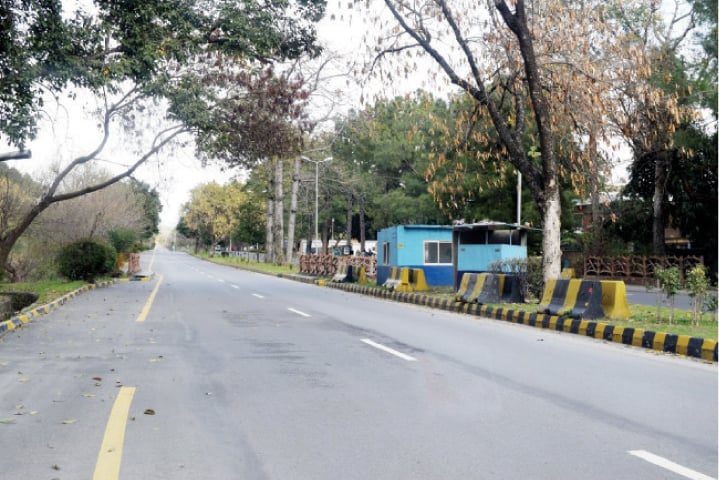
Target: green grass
(249,264)
(48,290)
(645,317)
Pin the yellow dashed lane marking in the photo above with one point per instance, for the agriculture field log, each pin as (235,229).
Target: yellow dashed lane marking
(146,309)
(110,456)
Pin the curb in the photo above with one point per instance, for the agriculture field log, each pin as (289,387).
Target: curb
(700,348)
(26,317)
(137,278)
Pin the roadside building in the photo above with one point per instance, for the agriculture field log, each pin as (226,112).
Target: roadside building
(428,247)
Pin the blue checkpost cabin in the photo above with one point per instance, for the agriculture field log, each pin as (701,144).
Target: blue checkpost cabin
(479,244)
(428,247)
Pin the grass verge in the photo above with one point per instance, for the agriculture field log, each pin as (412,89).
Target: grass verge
(48,290)
(249,264)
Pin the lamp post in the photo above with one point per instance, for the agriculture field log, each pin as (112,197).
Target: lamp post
(317,194)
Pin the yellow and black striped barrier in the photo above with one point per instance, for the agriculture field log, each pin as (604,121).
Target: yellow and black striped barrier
(405,279)
(575,298)
(705,349)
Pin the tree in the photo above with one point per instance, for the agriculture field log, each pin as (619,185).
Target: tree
(543,60)
(249,226)
(212,210)
(94,215)
(675,156)
(126,54)
(382,155)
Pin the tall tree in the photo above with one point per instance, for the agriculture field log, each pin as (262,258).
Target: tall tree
(126,54)
(666,135)
(536,61)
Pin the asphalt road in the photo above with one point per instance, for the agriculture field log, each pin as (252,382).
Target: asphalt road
(643,296)
(217,373)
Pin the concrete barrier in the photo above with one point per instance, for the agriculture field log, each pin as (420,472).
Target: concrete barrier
(412,280)
(568,273)
(614,300)
(470,287)
(509,288)
(344,274)
(575,298)
(359,274)
(490,292)
(393,280)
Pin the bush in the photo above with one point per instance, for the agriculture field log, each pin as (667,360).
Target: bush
(86,260)
(123,240)
(528,270)
(669,280)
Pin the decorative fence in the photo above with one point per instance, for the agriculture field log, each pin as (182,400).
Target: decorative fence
(327,265)
(636,268)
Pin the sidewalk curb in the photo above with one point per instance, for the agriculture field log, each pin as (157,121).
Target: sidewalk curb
(26,316)
(685,345)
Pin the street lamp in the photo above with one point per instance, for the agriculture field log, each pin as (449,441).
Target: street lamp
(317,195)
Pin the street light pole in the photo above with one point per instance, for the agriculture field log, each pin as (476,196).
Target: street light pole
(317,199)
(317,190)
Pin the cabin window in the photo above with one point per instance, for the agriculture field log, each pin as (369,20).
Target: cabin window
(385,253)
(437,253)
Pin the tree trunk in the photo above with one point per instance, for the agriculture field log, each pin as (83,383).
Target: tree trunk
(551,234)
(278,233)
(325,238)
(362,209)
(293,211)
(348,234)
(594,184)
(661,173)
(270,225)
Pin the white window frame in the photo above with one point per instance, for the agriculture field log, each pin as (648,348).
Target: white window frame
(436,244)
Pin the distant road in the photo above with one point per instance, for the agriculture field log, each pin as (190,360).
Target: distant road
(208,372)
(642,296)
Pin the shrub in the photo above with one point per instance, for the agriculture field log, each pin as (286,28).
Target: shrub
(86,260)
(697,283)
(123,240)
(669,281)
(528,270)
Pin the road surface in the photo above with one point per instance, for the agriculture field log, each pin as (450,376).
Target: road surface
(208,372)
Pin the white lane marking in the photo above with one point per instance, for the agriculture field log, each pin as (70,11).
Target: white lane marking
(389,350)
(235,286)
(257,295)
(293,310)
(220,280)
(669,465)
